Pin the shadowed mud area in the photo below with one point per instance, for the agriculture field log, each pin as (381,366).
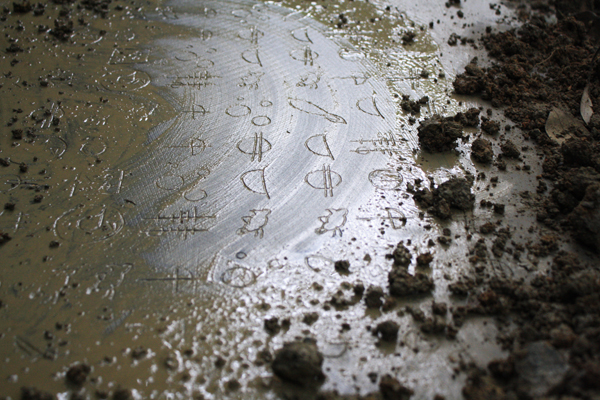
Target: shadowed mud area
(247,200)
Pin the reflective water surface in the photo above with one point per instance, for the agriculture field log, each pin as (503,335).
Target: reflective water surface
(202,166)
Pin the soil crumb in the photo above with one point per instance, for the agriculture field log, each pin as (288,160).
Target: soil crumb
(299,362)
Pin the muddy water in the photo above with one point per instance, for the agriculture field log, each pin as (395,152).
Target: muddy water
(202,165)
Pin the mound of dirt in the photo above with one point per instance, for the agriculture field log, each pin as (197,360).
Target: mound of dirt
(299,362)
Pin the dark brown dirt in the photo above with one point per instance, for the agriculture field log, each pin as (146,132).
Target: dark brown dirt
(481,151)
(299,362)
(452,195)
(387,331)
(77,374)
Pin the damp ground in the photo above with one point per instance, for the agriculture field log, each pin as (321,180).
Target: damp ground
(189,186)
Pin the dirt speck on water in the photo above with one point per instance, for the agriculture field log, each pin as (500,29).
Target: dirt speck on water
(78,374)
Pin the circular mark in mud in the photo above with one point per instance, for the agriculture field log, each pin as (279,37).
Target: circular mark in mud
(266,103)
(238,111)
(261,120)
(93,147)
(318,263)
(124,80)
(386,179)
(169,182)
(184,55)
(238,277)
(195,194)
(240,255)
(56,146)
(9,182)
(88,225)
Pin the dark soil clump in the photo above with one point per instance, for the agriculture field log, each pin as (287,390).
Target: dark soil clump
(454,194)
(391,389)
(77,374)
(299,362)
(404,284)
(481,151)
(387,331)
(438,134)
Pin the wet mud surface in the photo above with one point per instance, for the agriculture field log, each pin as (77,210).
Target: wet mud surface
(244,199)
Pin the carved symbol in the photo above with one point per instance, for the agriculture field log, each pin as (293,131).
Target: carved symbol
(197,109)
(195,194)
(252,34)
(241,13)
(255,223)
(169,182)
(251,80)
(128,56)
(238,277)
(255,182)
(396,217)
(306,55)
(385,179)
(301,35)
(333,221)
(275,264)
(187,277)
(238,111)
(385,143)
(368,105)
(324,179)
(88,225)
(56,146)
(309,80)
(122,80)
(93,147)
(167,13)
(318,263)
(197,80)
(46,116)
(19,219)
(196,146)
(208,12)
(255,146)
(204,34)
(107,184)
(110,280)
(261,120)
(185,223)
(30,349)
(318,145)
(311,108)
(184,55)
(251,57)
(350,55)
